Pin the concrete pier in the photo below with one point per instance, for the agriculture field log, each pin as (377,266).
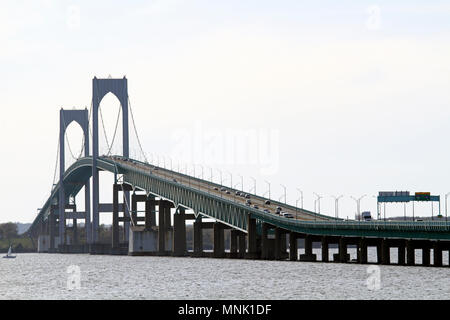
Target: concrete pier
(219,241)
(308,255)
(198,237)
(437,254)
(325,250)
(293,246)
(252,239)
(179,234)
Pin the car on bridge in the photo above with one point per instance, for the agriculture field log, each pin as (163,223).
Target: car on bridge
(266,210)
(248,202)
(247,196)
(267,202)
(287,215)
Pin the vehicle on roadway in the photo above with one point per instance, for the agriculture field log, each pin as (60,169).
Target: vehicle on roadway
(287,215)
(247,196)
(238,193)
(255,206)
(267,202)
(266,210)
(248,202)
(223,189)
(228,192)
(215,188)
(366,216)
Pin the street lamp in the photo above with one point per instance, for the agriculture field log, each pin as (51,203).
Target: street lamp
(284,187)
(358,201)
(268,183)
(254,184)
(242,182)
(231,179)
(336,205)
(318,201)
(301,197)
(446,195)
(221,181)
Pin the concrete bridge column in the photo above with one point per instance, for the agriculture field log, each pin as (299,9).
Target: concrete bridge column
(219,241)
(264,241)
(162,227)
(51,223)
(242,245)
(401,254)
(437,254)
(362,252)
(251,238)
(325,251)
(115,222)
(293,246)
(385,252)
(280,244)
(150,212)
(379,251)
(308,256)
(134,208)
(343,255)
(426,255)
(198,237)
(179,234)
(234,235)
(410,254)
(75,231)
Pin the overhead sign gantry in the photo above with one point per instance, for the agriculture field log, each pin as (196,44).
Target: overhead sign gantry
(405,197)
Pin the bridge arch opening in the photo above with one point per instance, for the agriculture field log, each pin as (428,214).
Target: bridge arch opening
(110,125)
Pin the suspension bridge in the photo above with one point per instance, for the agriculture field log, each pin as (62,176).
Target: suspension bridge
(260,228)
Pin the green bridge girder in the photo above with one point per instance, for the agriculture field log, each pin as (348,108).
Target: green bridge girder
(233,213)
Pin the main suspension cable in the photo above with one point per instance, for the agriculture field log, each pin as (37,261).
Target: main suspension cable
(135,131)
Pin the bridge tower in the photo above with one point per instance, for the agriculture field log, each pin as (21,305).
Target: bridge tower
(65,119)
(101,87)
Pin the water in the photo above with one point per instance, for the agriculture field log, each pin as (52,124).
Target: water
(45,276)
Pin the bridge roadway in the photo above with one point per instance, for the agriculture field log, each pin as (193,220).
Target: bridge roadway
(210,187)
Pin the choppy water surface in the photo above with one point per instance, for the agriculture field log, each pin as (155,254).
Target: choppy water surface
(45,276)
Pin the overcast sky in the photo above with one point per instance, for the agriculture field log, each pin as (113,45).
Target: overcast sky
(348,97)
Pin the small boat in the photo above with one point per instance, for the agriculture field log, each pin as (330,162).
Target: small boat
(8,255)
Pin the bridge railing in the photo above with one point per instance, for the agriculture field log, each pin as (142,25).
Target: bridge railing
(233,190)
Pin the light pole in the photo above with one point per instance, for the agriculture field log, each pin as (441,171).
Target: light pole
(231,179)
(221,181)
(446,195)
(318,201)
(284,187)
(254,184)
(358,201)
(301,197)
(242,182)
(268,183)
(336,205)
(296,203)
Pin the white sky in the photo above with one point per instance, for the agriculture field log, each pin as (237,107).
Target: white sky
(345,99)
